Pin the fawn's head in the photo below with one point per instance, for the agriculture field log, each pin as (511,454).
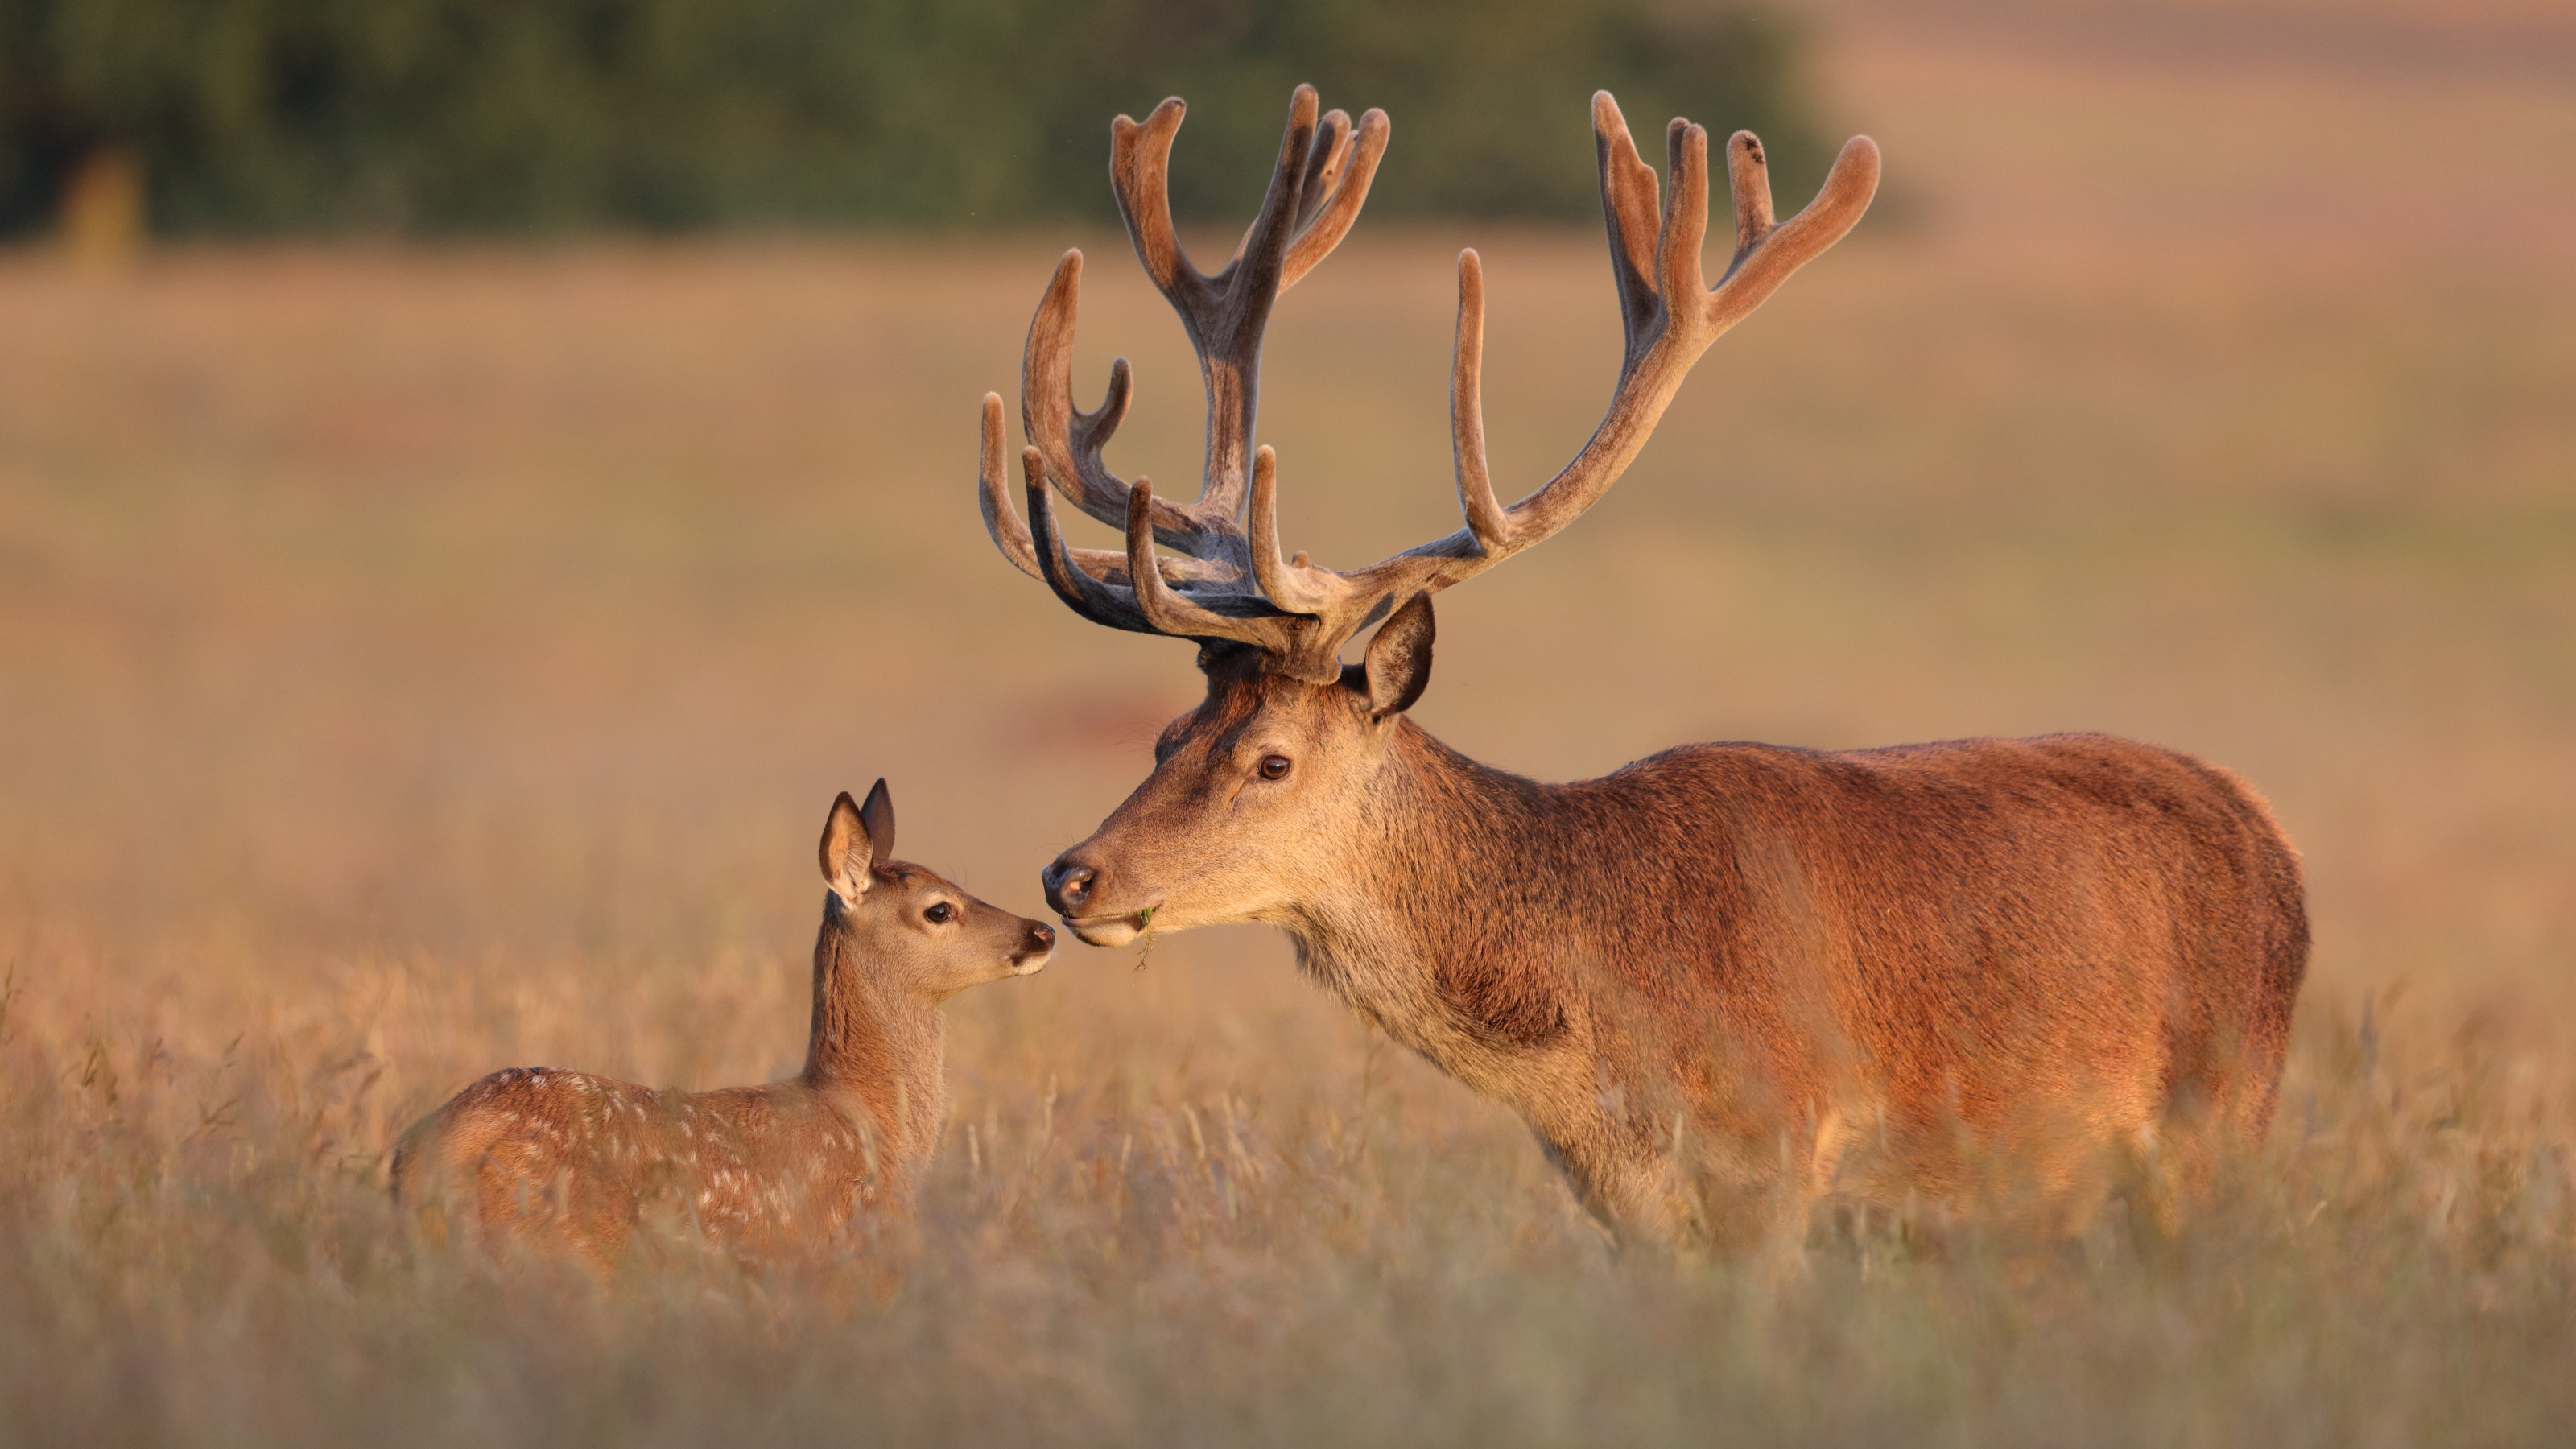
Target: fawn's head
(908,926)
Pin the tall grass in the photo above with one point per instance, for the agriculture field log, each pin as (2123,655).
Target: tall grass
(1122,1248)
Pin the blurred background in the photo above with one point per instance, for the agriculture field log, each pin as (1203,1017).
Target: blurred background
(438,117)
(475,479)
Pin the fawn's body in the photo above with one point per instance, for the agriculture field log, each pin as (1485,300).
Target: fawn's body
(577,1161)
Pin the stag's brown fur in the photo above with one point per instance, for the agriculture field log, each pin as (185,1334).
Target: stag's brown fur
(1734,977)
(577,1162)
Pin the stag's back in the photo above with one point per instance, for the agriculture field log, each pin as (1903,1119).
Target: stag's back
(2074,936)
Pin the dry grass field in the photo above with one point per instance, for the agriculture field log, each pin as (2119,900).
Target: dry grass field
(414,663)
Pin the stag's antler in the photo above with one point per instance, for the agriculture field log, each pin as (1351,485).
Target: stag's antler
(1302,614)
(1325,167)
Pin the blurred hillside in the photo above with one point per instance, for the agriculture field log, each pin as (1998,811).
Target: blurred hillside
(443,116)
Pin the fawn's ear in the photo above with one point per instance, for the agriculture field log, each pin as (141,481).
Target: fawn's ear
(847,850)
(878,815)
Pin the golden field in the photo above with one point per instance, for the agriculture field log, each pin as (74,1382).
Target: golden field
(415,662)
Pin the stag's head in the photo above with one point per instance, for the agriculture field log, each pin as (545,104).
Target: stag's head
(1253,790)
(912,931)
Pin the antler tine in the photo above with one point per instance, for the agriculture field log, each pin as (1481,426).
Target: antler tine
(1765,260)
(1229,342)
(1485,517)
(1251,280)
(1048,412)
(1324,608)
(1140,163)
(1324,161)
(1628,206)
(1100,602)
(1257,623)
(1685,229)
(1072,438)
(1749,181)
(1299,587)
(1334,194)
(1140,174)
(1001,520)
(1090,434)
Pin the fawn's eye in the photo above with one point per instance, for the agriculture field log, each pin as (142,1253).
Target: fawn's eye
(940,912)
(1274,767)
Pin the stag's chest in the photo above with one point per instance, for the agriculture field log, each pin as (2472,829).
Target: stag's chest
(1537,1063)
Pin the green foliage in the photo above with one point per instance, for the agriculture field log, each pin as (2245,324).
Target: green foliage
(493,115)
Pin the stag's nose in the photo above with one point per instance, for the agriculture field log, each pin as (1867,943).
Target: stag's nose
(1068,886)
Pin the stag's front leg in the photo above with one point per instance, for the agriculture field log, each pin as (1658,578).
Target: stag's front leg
(1651,1168)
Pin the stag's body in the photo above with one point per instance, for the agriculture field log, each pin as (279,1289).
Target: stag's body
(1721,982)
(577,1162)
(1735,978)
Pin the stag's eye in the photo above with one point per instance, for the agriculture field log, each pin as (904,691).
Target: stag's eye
(1274,767)
(941,912)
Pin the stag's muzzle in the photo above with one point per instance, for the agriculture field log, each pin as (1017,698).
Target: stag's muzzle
(1073,887)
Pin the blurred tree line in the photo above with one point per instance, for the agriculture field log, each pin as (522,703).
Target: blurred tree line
(441,116)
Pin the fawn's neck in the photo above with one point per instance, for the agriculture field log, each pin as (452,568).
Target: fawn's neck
(878,1043)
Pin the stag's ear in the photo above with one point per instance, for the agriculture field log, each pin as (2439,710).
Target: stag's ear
(1399,659)
(847,852)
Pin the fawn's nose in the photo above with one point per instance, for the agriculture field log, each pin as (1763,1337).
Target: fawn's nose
(1068,885)
(1037,942)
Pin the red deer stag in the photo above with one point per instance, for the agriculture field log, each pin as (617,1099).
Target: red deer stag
(571,1161)
(1726,981)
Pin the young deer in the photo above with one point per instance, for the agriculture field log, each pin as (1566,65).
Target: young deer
(1723,982)
(574,1161)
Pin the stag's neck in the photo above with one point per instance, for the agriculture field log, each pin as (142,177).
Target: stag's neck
(1458,926)
(876,1051)
(1459,836)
